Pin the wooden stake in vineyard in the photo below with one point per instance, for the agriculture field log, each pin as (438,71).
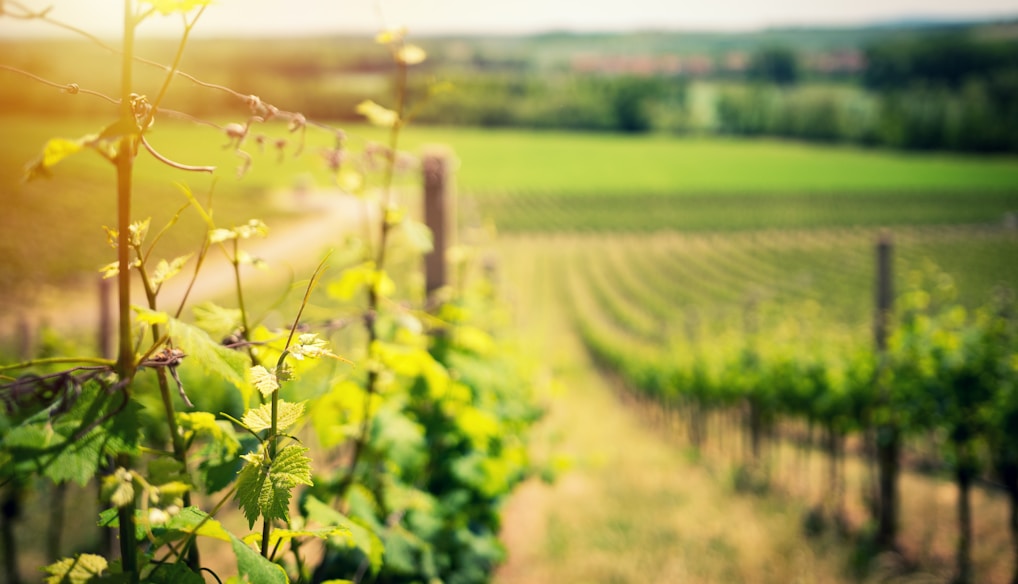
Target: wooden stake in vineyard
(437,216)
(888,434)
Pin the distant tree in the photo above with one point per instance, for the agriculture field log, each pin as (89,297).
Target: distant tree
(774,64)
(943,60)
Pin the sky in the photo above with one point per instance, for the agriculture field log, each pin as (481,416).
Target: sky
(307,17)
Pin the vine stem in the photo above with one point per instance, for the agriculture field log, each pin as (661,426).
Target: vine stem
(280,366)
(125,362)
(373,297)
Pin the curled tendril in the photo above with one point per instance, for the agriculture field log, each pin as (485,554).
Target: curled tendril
(170,358)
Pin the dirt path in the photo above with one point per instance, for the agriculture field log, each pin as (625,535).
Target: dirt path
(320,220)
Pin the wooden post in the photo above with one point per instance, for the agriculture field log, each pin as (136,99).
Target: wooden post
(437,216)
(24,337)
(884,290)
(888,436)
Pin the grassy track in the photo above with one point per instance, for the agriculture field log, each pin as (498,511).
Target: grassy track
(635,507)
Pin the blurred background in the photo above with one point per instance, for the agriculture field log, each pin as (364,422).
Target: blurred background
(681,203)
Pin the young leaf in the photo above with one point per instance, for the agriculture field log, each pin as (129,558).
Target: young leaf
(166,270)
(138,231)
(260,418)
(391,35)
(194,520)
(285,535)
(377,115)
(77,570)
(150,317)
(56,149)
(265,490)
(264,381)
(411,55)
(309,345)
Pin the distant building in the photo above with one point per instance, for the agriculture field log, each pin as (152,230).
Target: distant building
(643,65)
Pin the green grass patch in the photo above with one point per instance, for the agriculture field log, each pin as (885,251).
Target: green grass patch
(511,161)
(737,212)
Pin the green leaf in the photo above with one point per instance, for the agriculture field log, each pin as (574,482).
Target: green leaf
(216,359)
(355,279)
(265,490)
(264,381)
(377,115)
(287,415)
(194,520)
(166,270)
(418,235)
(291,467)
(55,150)
(55,448)
(78,570)
(360,537)
(216,320)
(150,317)
(285,535)
(119,488)
(173,574)
(254,567)
(309,345)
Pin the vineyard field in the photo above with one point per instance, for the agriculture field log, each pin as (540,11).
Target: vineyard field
(652,307)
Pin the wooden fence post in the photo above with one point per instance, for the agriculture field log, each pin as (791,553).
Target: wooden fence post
(888,436)
(438,216)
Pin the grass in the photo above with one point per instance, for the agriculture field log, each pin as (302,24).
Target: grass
(510,161)
(550,212)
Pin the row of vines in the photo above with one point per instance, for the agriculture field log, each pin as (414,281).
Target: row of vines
(750,342)
(364,429)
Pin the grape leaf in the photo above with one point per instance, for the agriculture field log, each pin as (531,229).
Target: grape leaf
(254,567)
(216,359)
(265,490)
(216,320)
(285,535)
(287,415)
(78,570)
(264,381)
(55,150)
(173,574)
(166,270)
(360,537)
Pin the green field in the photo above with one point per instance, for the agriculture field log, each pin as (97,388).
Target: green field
(524,181)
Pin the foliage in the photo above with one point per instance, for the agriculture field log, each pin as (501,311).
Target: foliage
(774,64)
(429,423)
